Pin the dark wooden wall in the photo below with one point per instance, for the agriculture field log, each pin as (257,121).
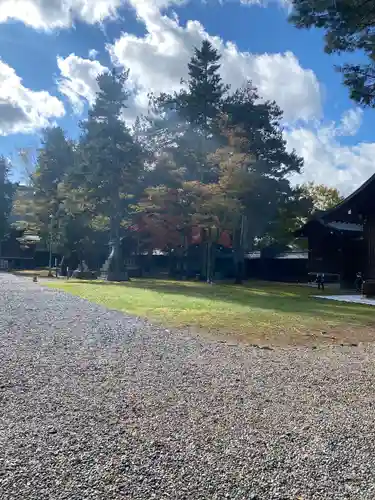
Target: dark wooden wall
(283,270)
(369,233)
(343,254)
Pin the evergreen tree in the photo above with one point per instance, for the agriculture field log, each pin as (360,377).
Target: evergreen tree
(186,121)
(7,189)
(349,27)
(54,162)
(201,104)
(110,162)
(259,121)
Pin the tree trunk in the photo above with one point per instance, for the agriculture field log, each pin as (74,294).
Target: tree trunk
(239,265)
(186,270)
(116,270)
(211,251)
(203,251)
(239,253)
(213,260)
(170,264)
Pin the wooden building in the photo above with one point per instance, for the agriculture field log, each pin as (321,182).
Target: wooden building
(289,266)
(359,208)
(335,248)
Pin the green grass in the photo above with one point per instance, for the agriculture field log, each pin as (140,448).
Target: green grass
(257,312)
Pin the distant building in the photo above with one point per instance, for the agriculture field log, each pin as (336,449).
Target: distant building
(272,264)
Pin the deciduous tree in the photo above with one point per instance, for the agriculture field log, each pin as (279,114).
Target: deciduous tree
(322,197)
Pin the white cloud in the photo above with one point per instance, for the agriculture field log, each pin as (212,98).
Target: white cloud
(286,4)
(350,122)
(23,110)
(146,8)
(159,59)
(278,77)
(50,14)
(327,159)
(93,53)
(78,79)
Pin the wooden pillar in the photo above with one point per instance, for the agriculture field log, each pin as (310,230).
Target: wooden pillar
(369,234)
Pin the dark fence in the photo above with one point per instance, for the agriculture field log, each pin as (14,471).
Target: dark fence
(291,270)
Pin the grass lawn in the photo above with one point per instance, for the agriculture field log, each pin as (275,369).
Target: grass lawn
(267,313)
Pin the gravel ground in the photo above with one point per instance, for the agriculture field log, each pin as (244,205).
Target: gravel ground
(97,405)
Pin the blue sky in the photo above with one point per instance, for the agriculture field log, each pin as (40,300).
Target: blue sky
(52,50)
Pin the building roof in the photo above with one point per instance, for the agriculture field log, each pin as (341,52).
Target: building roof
(293,254)
(345,226)
(338,226)
(29,238)
(253,255)
(355,204)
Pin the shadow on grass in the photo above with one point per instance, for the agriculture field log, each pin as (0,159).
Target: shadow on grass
(275,297)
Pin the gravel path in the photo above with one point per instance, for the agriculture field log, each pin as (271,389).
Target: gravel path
(97,405)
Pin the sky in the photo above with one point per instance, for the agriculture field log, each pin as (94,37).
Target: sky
(51,52)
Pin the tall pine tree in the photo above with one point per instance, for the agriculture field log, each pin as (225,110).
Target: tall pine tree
(187,120)
(201,104)
(110,163)
(7,189)
(54,162)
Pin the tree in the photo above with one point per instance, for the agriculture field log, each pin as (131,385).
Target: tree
(304,201)
(254,167)
(349,27)
(185,123)
(260,166)
(201,103)
(293,211)
(54,162)
(7,189)
(80,235)
(322,197)
(28,158)
(110,162)
(202,160)
(260,123)
(227,141)
(257,195)
(23,214)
